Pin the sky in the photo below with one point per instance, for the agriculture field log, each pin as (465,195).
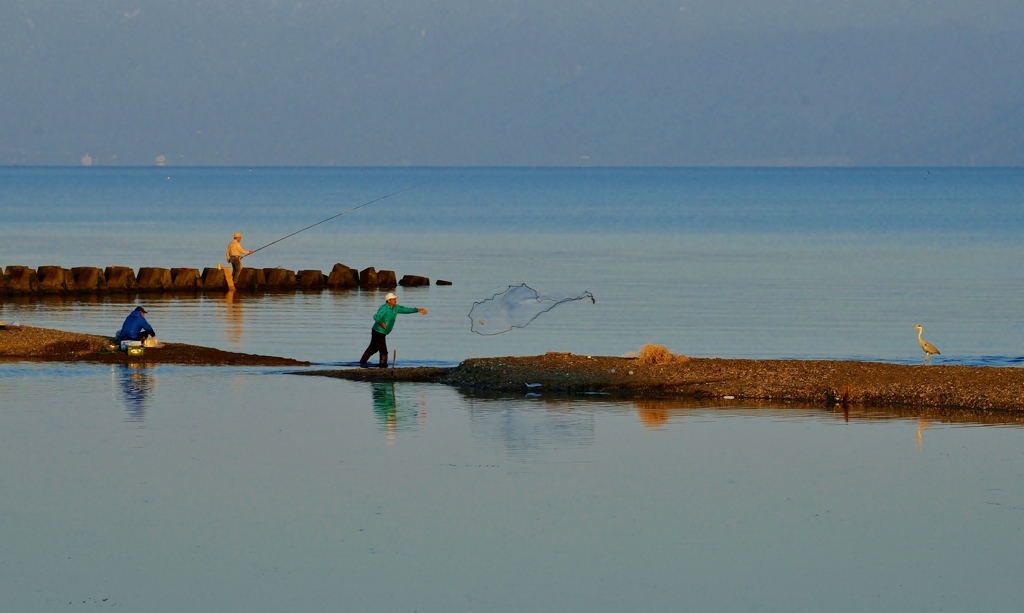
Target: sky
(512,82)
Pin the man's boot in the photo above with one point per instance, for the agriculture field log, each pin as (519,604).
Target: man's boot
(366,358)
(384,362)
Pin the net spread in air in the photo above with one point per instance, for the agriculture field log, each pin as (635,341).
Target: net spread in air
(515,307)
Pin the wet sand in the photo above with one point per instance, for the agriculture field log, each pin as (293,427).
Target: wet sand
(818,382)
(26,342)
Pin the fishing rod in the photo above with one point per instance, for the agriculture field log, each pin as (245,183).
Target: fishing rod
(335,216)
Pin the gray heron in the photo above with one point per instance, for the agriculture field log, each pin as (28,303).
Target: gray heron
(928,348)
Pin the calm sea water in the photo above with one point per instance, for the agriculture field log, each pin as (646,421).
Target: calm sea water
(815,263)
(173,488)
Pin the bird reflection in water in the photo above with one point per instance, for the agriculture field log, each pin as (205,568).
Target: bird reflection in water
(395,413)
(922,425)
(235,320)
(136,382)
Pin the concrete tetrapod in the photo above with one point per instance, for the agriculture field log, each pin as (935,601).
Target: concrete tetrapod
(154,279)
(387,278)
(89,280)
(187,279)
(120,278)
(55,280)
(214,280)
(342,276)
(250,279)
(413,281)
(311,279)
(279,278)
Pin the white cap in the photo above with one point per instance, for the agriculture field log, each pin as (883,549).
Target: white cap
(391,297)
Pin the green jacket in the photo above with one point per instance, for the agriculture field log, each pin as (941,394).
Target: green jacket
(385,317)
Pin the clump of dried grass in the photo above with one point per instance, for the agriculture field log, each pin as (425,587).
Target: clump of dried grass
(657,354)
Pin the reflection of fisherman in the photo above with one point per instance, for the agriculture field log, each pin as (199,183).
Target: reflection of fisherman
(386,408)
(384,323)
(135,327)
(234,255)
(136,385)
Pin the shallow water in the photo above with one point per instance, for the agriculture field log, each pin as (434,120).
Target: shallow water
(176,488)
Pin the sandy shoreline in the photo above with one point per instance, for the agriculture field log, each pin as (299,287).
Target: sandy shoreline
(818,382)
(43,344)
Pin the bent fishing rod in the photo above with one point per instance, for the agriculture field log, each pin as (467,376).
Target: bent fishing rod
(333,217)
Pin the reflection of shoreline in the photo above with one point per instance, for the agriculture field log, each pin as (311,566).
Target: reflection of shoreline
(136,384)
(677,407)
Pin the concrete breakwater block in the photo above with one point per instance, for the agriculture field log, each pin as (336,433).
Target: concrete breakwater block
(311,279)
(154,280)
(55,280)
(214,280)
(342,276)
(186,279)
(371,277)
(413,281)
(88,279)
(279,278)
(250,279)
(443,282)
(368,277)
(21,280)
(120,278)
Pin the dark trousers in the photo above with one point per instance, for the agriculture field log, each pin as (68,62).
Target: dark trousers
(378,343)
(236,267)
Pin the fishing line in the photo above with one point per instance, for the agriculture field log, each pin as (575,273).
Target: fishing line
(335,216)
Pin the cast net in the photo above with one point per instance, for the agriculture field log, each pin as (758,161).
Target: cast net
(515,307)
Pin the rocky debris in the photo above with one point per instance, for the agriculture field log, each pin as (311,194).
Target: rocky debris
(120,278)
(442,282)
(26,342)
(55,280)
(311,279)
(820,382)
(214,279)
(386,278)
(154,280)
(3,282)
(250,279)
(186,279)
(89,279)
(279,278)
(413,281)
(342,277)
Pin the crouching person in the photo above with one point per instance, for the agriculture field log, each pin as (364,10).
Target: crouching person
(135,327)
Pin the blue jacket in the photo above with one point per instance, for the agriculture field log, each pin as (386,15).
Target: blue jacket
(133,325)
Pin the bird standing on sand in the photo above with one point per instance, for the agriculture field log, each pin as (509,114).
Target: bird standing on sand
(928,348)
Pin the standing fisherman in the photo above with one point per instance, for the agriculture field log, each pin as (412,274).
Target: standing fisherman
(384,323)
(234,255)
